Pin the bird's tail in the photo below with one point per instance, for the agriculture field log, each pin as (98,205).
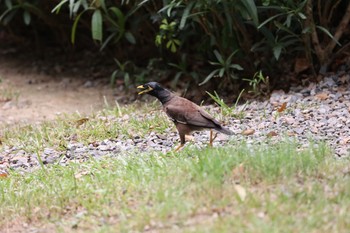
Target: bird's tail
(224,130)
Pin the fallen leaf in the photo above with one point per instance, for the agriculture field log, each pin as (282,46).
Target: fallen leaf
(3,174)
(248,132)
(81,121)
(242,193)
(322,96)
(282,107)
(272,134)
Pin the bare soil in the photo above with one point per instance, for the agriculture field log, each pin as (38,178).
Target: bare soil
(28,95)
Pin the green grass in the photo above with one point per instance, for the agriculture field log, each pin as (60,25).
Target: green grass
(109,123)
(235,188)
(261,189)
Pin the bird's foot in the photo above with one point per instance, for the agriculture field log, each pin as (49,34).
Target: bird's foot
(179,147)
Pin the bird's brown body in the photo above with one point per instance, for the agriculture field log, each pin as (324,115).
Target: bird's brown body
(186,115)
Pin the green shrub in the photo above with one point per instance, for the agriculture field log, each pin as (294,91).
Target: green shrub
(242,36)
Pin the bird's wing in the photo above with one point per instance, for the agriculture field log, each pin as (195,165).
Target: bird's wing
(186,112)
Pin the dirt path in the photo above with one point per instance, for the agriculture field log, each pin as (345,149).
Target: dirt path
(29,97)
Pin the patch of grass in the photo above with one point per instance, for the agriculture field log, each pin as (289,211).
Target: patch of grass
(271,188)
(225,109)
(109,123)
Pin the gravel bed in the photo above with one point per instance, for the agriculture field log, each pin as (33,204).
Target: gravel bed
(317,113)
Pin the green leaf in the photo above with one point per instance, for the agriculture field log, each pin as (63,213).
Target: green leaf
(328,34)
(209,77)
(277,51)
(57,8)
(114,77)
(8,4)
(168,44)
(96,25)
(158,40)
(5,13)
(236,66)
(76,7)
(71,6)
(26,17)
(173,47)
(164,27)
(165,21)
(176,41)
(185,14)
(221,72)
(288,20)
(252,10)
(283,27)
(219,57)
(74,27)
(106,41)
(120,16)
(229,59)
(130,37)
(301,15)
(172,24)
(269,19)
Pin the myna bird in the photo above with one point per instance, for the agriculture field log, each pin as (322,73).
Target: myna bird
(186,115)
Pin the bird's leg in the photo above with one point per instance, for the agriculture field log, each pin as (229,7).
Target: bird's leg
(211,139)
(183,141)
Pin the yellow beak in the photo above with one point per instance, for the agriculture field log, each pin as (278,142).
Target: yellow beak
(144,89)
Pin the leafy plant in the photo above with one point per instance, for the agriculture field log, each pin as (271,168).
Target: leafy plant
(225,67)
(130,73)
(166,34)
(24,7)
(227,110)
(124,71)
(256,83)
(263,35)
(112,16)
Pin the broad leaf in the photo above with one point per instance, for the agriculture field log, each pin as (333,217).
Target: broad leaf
(277,51)
(96,25)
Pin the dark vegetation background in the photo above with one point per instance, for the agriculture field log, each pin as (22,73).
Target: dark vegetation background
(224,45)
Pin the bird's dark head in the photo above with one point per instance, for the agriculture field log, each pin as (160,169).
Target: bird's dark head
(156,90)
